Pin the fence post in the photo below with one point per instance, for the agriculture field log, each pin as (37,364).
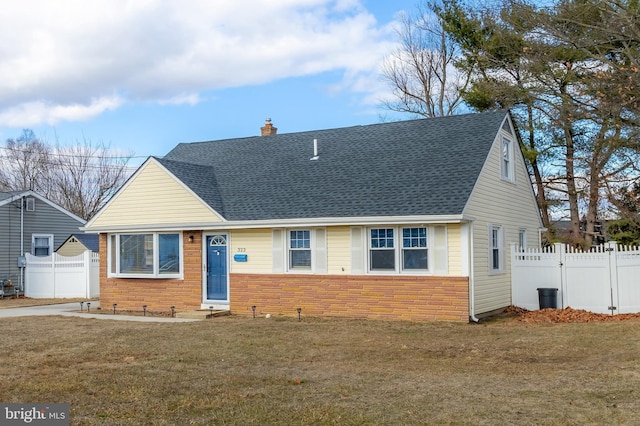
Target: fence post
(561,259)
(86,264)
(612,251)
(53,272)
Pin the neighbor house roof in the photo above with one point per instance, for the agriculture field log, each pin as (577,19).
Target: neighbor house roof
(416,167)
(12,196)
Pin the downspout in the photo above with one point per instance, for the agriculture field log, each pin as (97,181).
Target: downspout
(472,299)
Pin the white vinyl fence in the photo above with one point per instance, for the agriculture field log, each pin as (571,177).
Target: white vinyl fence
(61,276)
(605,279)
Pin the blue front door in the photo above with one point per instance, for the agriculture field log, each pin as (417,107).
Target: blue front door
(217,267)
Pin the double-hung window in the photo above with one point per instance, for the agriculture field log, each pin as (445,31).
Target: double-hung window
(42,244)
(382,251)
(149,255)
(496,249)
(522,239)
(300,249)
(398,249)
(414,248)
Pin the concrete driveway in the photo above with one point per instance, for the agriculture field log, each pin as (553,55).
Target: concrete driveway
(71,310)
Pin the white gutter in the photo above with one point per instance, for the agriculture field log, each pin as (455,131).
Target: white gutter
(283,223)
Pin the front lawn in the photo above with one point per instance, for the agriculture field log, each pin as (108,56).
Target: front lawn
(241,371)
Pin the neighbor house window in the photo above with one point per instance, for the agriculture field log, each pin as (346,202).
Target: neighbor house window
(407,247)
(42,244)
(496,250)
(148,255)
(507,159)
(300,249)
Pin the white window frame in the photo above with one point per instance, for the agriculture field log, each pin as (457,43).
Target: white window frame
(496,248)
(113,250)
(522,239)
(507,164)
(290,267)
(48,237)
(398,249)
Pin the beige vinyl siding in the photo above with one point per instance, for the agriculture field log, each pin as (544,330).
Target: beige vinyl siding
(71,248)
(154,196)
(256,244)
(339,250)
(454,245)
(510,205)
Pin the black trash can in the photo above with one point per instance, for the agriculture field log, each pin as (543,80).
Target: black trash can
(548,298)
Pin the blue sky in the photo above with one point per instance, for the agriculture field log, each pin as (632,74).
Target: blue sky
(143,76)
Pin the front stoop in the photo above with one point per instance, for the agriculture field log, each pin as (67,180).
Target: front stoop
(202,314)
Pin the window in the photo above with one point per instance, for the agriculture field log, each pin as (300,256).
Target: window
(507,159)
(412,256)
(495,255)
(522,239)
(148,255)
(414,248)
(382,253)
(41,244)
(300,249)
(169,253)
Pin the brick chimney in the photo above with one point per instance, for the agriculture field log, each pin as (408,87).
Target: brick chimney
(268,129)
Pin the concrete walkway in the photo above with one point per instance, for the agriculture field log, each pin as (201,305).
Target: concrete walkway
(71,310)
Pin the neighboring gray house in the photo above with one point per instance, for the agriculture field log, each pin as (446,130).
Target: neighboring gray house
(29,223)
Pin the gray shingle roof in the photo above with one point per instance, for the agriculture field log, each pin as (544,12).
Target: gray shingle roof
(416,167)
(90,241)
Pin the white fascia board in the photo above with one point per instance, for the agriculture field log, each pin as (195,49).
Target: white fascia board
(286,223)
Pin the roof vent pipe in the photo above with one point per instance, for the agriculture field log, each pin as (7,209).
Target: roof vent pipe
(315,150)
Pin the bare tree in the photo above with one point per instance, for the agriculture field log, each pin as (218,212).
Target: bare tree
(85,176)
(25,164)
(421,70)
(81,178)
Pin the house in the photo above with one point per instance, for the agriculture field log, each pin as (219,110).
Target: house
(30,223)
(78,243)
(404,220)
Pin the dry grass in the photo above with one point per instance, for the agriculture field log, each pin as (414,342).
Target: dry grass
(237,370)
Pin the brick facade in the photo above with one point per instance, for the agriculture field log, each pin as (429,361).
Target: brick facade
(380,297)
(377,297)
(159,295)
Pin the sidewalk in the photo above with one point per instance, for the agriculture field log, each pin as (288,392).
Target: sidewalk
(71,310)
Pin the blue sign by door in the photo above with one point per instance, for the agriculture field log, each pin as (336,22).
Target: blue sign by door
(217,267)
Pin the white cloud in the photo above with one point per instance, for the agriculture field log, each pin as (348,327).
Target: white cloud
(63,60)
(182,99)
(33,113)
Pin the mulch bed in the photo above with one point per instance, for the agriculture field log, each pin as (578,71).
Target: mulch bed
(566,315)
